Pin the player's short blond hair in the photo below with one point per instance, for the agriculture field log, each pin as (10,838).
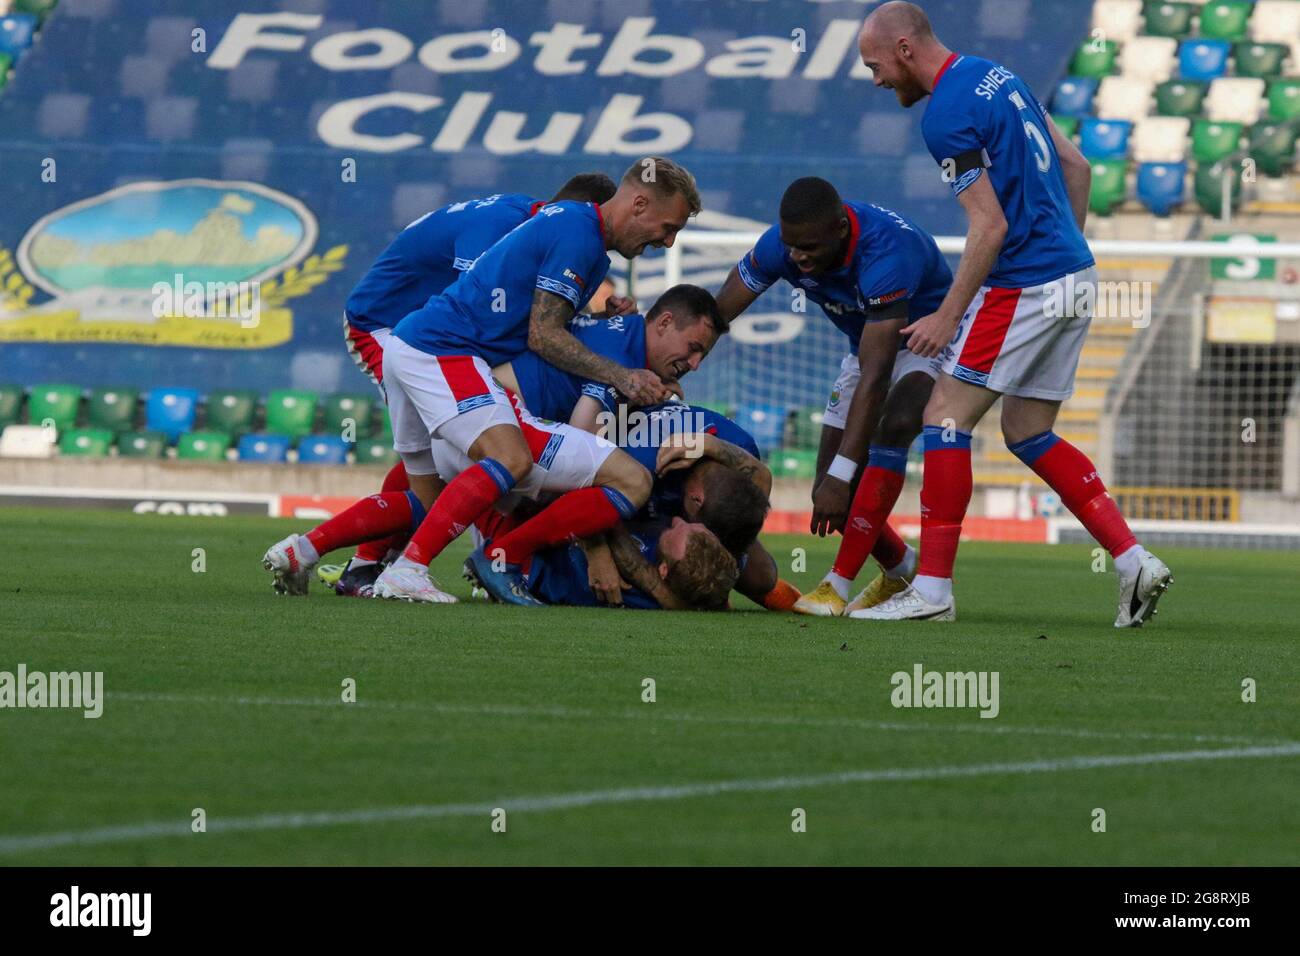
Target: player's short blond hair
(706,573)
(665,178)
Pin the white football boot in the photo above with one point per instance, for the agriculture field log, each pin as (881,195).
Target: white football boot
(1138,594)
(907,605)
(290,574)
(409,584)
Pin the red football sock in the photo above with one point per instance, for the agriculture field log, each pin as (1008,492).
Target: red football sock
(466,497)
(867,528)
(575,515)
(395,480)
(1073,476)
(376,516)
(945,496)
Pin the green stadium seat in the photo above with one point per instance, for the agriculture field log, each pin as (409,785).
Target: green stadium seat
(1109,186)
(1209,186)
(6,62)
(1262,60)
(1068,125)
(1180,98)
(112,408)
(57,402)
(1213,141)
(1225,19)
(374,451)
(231,411)
(1094,59)
(37,8)
(1169,19)
(793,463)
(1272,146)
(385,429)
(86,442)
(202,446)
(1284,101)
(11,403)
(141,445)
(807,427)
(338,409)
(291,413)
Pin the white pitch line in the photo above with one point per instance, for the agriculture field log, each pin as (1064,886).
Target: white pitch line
(569,713)
(568,801)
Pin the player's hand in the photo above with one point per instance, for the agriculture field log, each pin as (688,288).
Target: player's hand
(680,451)
(619,305)
(831,503)
(676,389)
(603,578)
(642,387)
(927,336)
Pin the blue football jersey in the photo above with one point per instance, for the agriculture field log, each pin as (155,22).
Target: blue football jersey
(430,254)
(549,392)
(485,312)
(982,118)
(889,259)
(559,575)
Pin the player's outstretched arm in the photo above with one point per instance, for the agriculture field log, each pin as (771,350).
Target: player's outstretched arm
(987,231)
(638,572)
(549,337)
(734,297)
(1077,172)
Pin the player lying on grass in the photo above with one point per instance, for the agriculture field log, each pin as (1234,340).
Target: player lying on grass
(1015,320)
(871,271)
(521,294)
(425,258)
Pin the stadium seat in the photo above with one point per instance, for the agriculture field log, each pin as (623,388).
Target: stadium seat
(171,411)
(1123,98)
(323,450)
(385,430)
(1275,21)
(1261,60)
(1068,125)
(1161,139)
(6,62)
(112,408)
(1225,19)
(1160,186)
(1208,186)
(265,448)
(1117,19)
(231,411)
(1180,98)
(1094,59)
(1213,141)
(1104,138)
(1074,95)
(59,403)
(807,427)
(373,451)
(1169,19)
(203,446)
(338,409)
(290,413)
(16,32)
(1272,146)
(1203,59)
(765,422)
(11,403)
(141,445)
(1236,100)
(1284,101)
(1149,58)
(793,463)
(37,8)
(26,441)
(86,442)
(1109,186)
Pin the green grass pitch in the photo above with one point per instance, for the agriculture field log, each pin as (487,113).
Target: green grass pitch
(223,697)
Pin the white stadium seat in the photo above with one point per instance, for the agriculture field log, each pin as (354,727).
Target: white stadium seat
(1149,58)
(1276,21)
(1122,98)
(26,441)
(1235,99)
(1161,139)
(1118,20)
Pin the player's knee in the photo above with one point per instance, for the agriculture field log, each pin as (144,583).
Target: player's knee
(517,461)
(898,427)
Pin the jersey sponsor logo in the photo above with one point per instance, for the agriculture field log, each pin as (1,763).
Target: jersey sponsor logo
(570,274)
(888,298)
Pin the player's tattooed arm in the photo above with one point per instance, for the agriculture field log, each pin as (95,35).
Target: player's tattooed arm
(734,297)
(640,573)
(602,573)
(682,450)
(549,337)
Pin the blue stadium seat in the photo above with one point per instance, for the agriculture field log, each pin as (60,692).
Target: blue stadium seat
(1105,139)
(765,422)
(171,411)
(16,32)
(323,450)
(273,448)
(1203,59)
(1160,186)
(1074,95)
